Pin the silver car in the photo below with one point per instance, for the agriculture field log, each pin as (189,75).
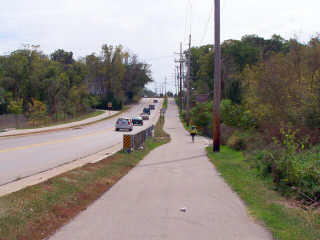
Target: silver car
(124,123)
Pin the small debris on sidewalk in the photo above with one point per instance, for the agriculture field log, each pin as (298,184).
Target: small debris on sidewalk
(183,209)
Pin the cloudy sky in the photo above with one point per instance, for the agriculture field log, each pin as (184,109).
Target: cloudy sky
(152,29)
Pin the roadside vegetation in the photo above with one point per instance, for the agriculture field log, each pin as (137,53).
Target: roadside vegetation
(283,218)
(37,212)
(56,87)
(270,110)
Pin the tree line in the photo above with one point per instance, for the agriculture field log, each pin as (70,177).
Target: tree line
(57,86)
(273,80)
(270,107)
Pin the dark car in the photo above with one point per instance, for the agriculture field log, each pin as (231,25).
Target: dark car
(146,110)
(151,106)
(155,100)
(137,121)
(145,116)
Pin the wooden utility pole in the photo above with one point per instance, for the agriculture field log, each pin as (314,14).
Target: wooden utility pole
(180,76)
(165,86)
(217,78)
(188,83)
(175,80)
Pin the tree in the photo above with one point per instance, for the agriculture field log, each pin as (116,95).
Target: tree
(37,112)
(15,107)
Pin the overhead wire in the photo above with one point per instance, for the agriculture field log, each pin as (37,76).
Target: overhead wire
(191,11)
(205,30)
(185,24)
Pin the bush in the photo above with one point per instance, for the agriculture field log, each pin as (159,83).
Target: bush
(37,113)
(235,115)
(226,133)
(201,116)
(237,143)
(291,167)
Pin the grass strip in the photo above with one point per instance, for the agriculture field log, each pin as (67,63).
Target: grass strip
(126,108)
(284,221)
(38,211)
(82,117)
(69,120)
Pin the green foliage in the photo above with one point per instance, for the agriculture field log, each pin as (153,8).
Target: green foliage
(15,107)
(266,205)
(68,87)
(294,169)
(235,115)
(201,117)
(285,87)
(237,143)
(37,112)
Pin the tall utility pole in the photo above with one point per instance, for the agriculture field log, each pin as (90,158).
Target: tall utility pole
(178,85)
(217,78)
(188,83)
(165,86)
(180,74)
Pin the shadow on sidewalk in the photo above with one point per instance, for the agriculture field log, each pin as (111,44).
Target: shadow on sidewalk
(172,161)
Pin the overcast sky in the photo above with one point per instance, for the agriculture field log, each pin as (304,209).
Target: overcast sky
(152,29)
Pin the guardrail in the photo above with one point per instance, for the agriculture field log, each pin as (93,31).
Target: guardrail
(135,141)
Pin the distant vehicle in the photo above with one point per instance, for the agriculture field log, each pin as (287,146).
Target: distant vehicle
(137,121)
(146,110)
(145,116)
(124,123)
(151,106)
(155,100)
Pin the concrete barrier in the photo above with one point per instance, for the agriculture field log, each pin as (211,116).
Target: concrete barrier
(135,141)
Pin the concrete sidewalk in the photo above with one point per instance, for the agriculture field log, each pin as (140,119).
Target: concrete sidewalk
(17,132)
(174,193)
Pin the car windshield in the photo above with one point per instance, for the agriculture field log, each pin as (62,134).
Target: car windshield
(123,120)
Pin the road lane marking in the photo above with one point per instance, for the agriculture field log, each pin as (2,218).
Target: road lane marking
(52,142)
(59,140)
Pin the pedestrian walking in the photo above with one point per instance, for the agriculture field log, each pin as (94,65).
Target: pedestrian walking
(193,132)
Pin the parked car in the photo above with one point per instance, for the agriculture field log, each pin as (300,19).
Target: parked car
(152,107)
(124,123)
(137,121)
(146,110)
(155,100)
(145,116)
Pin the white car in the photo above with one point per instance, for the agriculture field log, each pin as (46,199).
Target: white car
(124,123)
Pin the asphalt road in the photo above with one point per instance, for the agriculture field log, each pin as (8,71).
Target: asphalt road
(22,156)
(175,193)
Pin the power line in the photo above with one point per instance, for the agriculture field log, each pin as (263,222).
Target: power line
(157,58)
(205,31)
(185,24)
(191,10)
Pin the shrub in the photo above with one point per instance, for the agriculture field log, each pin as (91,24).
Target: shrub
(226,133)
(291,167)
(236,142)
(201,116)
(37,112)
(235,115)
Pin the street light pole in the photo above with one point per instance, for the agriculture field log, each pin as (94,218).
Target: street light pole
(217,78)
